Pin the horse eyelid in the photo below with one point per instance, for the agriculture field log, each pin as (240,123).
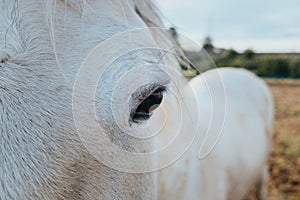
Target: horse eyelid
(142,95)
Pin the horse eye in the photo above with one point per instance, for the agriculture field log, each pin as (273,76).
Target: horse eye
(148,105)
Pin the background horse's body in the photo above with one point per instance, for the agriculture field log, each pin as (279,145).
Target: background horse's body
(238,162)
(42,46)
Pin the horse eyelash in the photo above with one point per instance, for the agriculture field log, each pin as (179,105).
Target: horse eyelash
(146,93)
(152,90)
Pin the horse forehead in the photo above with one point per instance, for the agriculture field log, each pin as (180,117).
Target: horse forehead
(102,14)
(64,31)
(100,21)
(97,20)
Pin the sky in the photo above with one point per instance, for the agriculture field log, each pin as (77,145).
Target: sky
(263,25)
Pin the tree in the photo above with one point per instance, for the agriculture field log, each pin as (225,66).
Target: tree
(174,35)
(207,44)
(275,67)
(295,69)
(231,53)
(249,54)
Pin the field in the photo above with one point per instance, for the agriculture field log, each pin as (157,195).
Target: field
(285,159)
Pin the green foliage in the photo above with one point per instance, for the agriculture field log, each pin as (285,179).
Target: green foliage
(295,69)
(230,54)
(276,67)
(266,66)
(249,54)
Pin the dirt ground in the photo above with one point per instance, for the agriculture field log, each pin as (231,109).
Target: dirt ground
(285,159)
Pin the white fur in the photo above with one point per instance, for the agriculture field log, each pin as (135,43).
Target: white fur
(42,45)
(238,163)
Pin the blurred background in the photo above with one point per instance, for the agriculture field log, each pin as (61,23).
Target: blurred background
(261,36)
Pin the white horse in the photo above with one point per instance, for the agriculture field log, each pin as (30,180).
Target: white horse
(42,156)
(235,113)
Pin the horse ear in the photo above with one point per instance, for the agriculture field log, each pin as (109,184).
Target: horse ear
(148,12)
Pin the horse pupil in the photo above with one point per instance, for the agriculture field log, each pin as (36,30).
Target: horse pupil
(144,110)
